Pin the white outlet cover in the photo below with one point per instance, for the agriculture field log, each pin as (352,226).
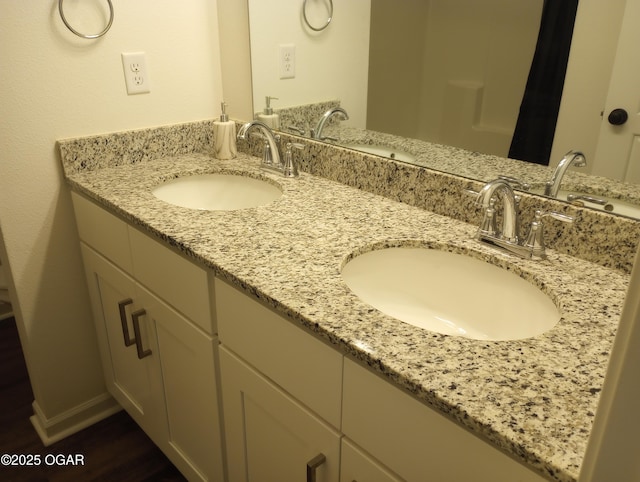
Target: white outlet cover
(287,61)
(136,75)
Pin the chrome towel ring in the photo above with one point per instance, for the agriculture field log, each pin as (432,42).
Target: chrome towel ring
(306,20)
(92,36)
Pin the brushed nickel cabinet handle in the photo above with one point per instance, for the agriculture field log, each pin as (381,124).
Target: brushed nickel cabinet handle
(135,317)
(128,341)
(312,465)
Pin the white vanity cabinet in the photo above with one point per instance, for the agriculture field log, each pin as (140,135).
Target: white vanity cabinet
(157,338)
(294,407)
(288,397)
(282,392)
(133,380)
(416,442)
(357,466)
(269,434)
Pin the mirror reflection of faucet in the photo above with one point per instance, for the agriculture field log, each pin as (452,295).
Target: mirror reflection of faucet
(298,130)
(516,183)
(316,133)
(571,158)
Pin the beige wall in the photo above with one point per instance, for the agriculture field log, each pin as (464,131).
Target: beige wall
(55,85)
(319,77)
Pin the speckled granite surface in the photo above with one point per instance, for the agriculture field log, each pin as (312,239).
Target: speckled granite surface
(453,160)
(533,398)
(594,236)
(475,165)
(301,119)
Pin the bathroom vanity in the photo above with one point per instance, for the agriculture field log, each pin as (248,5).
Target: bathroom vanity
(252,359)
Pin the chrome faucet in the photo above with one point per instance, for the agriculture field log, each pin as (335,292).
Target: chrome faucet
(508,238)
(510,218)
(317,132)
(574,158)
(271,155)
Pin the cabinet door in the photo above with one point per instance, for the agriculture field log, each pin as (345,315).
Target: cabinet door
(356,466)
(188,360)
(132,378)
(415,441)
(271,436)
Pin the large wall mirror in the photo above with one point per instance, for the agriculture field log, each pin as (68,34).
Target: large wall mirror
(445,71)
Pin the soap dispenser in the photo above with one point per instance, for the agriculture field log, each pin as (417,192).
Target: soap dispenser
(268,116)
(224,136)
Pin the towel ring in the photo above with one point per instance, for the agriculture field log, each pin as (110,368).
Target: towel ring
(92,36)
(306,20)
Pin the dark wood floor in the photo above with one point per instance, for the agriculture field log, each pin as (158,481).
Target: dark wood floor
(113,450)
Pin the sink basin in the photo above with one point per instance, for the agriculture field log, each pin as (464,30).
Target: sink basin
(217,192)
(383,151)
(450,293)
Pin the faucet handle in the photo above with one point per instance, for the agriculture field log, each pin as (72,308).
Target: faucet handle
(488,224)
(471,192)
(297,130)
(565,218)
(515,182)
(267,154)
(535,238)
(289,168)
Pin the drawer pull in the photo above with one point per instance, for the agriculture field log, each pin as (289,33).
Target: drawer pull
(312,465)
(135,317)
(123,319)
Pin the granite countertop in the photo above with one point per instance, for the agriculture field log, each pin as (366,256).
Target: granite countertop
(534,398)
(476,165)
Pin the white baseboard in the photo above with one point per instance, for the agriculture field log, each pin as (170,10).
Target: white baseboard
(67,423)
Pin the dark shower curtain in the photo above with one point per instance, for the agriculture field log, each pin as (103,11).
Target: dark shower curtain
(533,135)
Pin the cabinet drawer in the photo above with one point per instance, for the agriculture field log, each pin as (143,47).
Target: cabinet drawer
(415,441)
(303,366)
(181,283)
(102,231)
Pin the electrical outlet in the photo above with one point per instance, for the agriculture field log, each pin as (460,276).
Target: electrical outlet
(287,61)
(136,75)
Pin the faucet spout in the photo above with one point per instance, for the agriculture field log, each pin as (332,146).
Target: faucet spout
(571,158)
(271,151)
(317,132)
(510,211)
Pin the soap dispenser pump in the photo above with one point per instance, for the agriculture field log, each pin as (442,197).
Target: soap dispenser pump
(268,116)
(224,136)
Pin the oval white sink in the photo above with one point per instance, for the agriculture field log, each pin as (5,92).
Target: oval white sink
(384,151)
(450,293)
(217,192)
